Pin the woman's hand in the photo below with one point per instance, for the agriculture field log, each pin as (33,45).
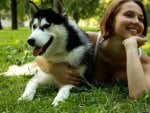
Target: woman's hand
(134,41)
(63,72)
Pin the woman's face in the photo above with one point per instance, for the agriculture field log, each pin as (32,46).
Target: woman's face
(129,21)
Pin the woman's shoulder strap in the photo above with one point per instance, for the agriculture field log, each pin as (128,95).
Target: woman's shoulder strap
(99,42)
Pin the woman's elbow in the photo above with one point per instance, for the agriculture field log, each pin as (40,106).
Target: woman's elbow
(137,94)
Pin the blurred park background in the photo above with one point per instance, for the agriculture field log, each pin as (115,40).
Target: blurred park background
(87,13)
(14,25)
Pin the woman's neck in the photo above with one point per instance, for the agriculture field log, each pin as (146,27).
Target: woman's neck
(113,51)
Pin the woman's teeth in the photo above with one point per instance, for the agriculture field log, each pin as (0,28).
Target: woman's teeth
(133,31)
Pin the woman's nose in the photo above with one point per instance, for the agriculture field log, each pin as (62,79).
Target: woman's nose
(136,20)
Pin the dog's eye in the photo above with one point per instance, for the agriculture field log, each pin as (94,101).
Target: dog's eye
(46,26)
(34,26)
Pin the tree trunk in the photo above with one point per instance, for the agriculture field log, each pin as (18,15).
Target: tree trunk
(1,25)
(14,14)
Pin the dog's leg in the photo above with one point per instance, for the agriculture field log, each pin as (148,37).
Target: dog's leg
(26,69)
(30,90)
(39,79)
(62,94)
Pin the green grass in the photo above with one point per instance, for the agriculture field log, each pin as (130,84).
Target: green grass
(108,99)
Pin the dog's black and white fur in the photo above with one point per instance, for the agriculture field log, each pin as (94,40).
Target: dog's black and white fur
(57,39)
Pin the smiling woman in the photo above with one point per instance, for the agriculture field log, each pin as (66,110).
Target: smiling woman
(124,28)
(118,56)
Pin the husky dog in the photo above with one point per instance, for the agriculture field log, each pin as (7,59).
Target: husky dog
(57,39)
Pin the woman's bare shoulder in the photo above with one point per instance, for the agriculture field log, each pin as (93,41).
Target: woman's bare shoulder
(92,35)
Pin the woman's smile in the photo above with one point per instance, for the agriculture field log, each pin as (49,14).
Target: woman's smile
(133,30)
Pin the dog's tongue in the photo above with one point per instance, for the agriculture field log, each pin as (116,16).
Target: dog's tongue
(37,51)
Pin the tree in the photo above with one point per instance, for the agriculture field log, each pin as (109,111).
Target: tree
(14,14)
(22,6)
(3,7)
(81,9)
(0,24)
(147,6)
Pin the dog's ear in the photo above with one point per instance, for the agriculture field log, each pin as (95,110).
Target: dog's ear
(57,6)
(32,8)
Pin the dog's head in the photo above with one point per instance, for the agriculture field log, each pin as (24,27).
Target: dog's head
(48,30)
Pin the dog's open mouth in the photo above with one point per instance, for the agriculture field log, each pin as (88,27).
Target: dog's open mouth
(40,50)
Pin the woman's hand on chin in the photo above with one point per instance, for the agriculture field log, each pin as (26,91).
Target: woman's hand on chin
(134,41)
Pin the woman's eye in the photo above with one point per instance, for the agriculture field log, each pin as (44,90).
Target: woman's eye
(141,19)
(129,15)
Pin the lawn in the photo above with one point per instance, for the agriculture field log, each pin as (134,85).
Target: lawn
(106,99)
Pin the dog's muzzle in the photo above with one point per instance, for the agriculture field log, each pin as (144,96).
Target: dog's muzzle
(39,50)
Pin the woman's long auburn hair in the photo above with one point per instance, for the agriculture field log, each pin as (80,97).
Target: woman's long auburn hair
(106,26)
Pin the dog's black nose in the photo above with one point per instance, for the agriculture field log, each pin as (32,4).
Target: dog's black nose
(31,41)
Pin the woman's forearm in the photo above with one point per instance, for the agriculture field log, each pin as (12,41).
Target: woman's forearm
(137,82)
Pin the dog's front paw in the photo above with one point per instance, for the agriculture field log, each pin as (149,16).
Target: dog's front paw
(63,94)
(56,101)
(28,98)
(12,71)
